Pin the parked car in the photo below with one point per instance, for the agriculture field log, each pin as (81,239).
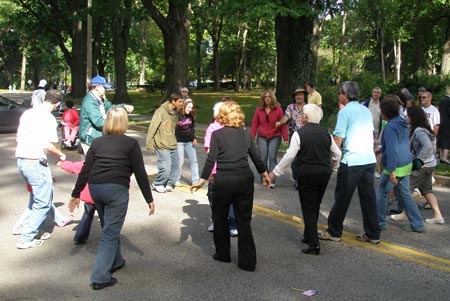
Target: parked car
(10,112)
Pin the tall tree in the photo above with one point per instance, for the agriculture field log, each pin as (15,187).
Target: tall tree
(175,30)
(293,38)
(121,22)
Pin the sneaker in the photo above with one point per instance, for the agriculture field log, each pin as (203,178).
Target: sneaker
(398,217)
(234,232)
(424,206)
(169,188)
(178,184)
(365,238)
(44,235)
(409,229)
(326,236)
(65,221)
(29,244)
(435,220)
(67,143)
(272,185)
(416,194)
(377,175)
(16,231)
(158,188)
(211,227)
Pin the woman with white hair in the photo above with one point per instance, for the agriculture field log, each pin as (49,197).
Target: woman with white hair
(316,156)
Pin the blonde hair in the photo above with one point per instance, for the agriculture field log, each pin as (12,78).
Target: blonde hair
(116,122)
(231,115)
(262,104)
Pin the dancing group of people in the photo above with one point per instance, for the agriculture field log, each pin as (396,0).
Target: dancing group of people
(313,154)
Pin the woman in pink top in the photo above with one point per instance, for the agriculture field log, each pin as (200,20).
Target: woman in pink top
(263,127)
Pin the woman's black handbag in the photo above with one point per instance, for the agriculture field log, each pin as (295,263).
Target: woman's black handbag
(417,164)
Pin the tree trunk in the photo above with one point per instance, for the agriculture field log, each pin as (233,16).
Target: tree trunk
(398,59)
(380,35)
(293,40)
(198,54)
(143,64)
(78,62)
(317,29)
(240,75)
(121,24)
(175,31)
(445,69)
(23,70)
(341,46)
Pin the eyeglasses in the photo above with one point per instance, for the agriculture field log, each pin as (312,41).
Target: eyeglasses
(185,91)
(422,97)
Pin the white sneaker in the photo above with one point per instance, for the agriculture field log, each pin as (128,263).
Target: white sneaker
(159,188)
(178,184)
(398,217)
(234,232)
(211,228)
(434,220)
(377,175)
(67,143)
(29,244)
(272,185)
(45,236)
(169,188)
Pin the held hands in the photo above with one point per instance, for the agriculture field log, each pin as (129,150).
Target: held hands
(285,143)
(74,202)
(129,108)
(266,179)
(272,176)
(151,206)
(197,185)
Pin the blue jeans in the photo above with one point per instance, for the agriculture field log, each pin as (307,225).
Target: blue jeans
(348,179)
(111,201)
(168,168)
(189,148)
(268,147)
(40,179)
(404,198)
(84,226)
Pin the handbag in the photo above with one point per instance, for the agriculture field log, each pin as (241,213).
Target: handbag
(417,164)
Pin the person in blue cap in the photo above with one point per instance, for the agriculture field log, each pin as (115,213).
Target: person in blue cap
(93,111)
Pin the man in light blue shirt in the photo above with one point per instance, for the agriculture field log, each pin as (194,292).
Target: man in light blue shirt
(354,131)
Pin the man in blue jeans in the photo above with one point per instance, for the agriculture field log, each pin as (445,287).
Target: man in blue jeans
(162,140)
(36,136)
(354,131)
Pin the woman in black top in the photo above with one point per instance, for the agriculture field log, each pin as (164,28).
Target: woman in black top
(233,184)
(109,164)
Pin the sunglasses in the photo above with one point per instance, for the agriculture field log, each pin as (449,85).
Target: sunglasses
(422,97)
(185,91)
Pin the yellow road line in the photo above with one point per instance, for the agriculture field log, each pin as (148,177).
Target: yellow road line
(349,237)
(425,259)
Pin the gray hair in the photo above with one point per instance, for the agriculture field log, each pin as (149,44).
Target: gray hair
(351,88)
(313,112)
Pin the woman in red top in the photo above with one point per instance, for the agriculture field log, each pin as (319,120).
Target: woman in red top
(268,135)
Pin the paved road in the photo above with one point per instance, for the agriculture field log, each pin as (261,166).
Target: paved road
(169,254)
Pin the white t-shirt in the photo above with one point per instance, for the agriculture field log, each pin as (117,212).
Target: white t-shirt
(38,97)
(432,115)
(37,129)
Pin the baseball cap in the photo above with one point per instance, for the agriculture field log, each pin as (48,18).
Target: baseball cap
(42,83)
(310,84)
(100,80)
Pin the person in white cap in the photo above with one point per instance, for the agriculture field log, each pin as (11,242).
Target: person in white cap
(93,111)
(38,96)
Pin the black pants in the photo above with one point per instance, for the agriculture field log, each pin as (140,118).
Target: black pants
(311,189)
(348,179)
(235,190)
(84,227)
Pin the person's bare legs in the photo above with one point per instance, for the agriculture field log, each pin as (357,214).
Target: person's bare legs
(431,199)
